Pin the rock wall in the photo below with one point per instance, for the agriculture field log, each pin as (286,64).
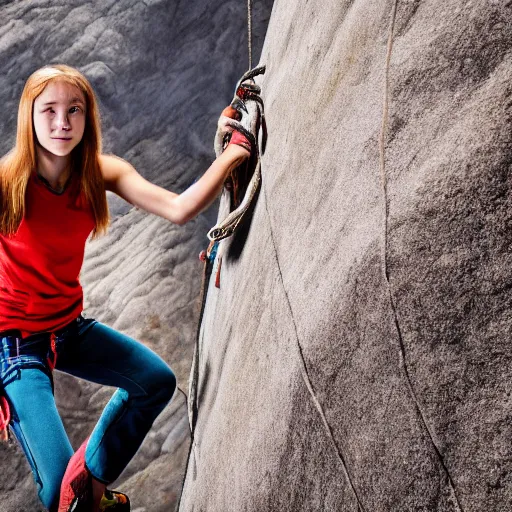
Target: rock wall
(162,71)
(357,354)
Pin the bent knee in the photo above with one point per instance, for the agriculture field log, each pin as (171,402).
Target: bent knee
(164,384)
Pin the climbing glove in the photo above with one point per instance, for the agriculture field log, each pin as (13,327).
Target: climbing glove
(239,123)
(241,131)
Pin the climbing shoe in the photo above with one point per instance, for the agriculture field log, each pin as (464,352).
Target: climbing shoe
(114,501)
(76,487)
(76,493)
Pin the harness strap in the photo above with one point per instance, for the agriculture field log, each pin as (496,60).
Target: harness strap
(5,411)
(52,361)
(5,418)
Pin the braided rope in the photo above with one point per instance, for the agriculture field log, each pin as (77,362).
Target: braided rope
(249,31)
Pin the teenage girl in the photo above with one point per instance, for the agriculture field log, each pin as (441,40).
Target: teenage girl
(52,186)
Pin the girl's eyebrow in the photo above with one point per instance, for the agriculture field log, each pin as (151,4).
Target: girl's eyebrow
(73,100)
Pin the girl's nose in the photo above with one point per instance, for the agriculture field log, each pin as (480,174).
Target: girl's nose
(62,123)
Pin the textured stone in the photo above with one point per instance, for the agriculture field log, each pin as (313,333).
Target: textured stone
(357,354)
(162,71)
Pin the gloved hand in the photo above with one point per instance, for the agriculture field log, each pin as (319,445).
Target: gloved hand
(238,127)
(239,123)
(237,137)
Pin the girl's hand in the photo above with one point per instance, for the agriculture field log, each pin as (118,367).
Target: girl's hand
(244,121)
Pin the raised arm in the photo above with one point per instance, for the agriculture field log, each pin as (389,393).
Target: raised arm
(122,179)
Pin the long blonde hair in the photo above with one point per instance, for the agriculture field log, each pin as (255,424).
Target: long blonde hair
(17,166)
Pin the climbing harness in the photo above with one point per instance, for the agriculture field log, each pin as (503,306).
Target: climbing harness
(5,411)
(52,353)
(15,352)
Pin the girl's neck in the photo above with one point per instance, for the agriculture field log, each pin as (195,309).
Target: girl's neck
(54,169)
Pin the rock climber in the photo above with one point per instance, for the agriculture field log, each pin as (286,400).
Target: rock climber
(53,187)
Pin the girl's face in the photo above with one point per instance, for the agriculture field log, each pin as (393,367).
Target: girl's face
(59,117)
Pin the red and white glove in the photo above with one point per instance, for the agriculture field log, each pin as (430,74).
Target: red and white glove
(238,126)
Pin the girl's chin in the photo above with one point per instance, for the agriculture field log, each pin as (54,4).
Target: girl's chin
(57,151)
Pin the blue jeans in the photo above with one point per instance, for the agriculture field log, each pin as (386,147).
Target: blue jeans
(92,351)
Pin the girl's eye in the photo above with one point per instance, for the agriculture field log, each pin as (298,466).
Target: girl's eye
(73,110)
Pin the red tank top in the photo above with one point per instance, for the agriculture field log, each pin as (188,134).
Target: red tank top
(40,265)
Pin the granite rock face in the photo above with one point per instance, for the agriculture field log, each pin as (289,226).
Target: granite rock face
(357,354)
(162,72)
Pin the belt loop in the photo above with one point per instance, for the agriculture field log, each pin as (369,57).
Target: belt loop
(17,347)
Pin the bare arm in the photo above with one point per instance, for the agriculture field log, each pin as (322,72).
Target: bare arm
(122,179)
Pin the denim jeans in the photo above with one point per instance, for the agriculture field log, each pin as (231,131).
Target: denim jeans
(95,352)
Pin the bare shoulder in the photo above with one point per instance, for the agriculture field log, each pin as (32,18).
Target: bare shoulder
(112,167)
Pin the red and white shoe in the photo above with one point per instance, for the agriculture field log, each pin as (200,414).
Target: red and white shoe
(76,493)
(76,487)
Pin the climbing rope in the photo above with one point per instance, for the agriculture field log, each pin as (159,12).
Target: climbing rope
(247,98)
(249,31)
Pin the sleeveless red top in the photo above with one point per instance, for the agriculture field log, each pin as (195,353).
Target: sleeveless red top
(40,265)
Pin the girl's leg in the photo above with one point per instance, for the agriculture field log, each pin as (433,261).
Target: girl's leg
(39,430)
(146,384)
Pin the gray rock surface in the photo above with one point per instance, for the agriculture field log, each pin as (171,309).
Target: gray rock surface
(357,354)
(162,72)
